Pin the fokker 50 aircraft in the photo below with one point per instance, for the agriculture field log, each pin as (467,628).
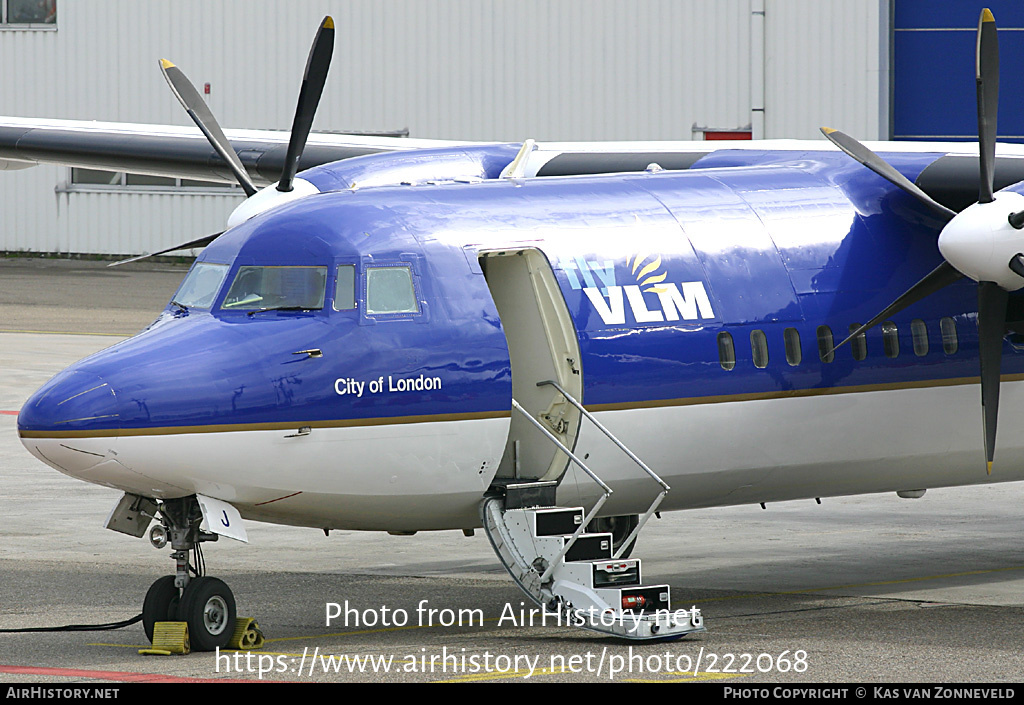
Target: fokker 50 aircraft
(478,335)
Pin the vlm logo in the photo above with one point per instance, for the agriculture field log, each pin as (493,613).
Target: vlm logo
(686,300)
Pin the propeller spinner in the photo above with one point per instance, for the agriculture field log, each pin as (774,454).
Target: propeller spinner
(983,242)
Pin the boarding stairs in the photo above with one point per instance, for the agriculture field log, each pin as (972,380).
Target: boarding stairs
(574,576)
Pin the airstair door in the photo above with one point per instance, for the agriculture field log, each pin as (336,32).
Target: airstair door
(542,346)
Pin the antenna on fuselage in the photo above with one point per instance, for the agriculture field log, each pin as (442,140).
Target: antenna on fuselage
(516,169)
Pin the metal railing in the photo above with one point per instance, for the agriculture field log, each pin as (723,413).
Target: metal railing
(593,511)
(643,466)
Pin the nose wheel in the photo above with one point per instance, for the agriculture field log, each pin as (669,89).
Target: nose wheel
(160,605)
(208,607)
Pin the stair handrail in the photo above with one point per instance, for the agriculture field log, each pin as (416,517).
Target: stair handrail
(593,511)
(622,446)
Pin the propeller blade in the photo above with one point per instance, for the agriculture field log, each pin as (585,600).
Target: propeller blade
(986,64)
(201,242)
(313,81)
(878,165)
(992,300)
(940,277)
(1017,264)
(197,109)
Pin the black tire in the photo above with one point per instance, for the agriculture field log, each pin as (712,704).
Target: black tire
(209,608)
(160,605)
(620,527)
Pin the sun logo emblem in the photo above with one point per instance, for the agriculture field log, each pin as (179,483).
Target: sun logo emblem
(644,267)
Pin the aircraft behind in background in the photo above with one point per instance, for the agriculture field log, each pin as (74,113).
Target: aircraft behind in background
(550,341)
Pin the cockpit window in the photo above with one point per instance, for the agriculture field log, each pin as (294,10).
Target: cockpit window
(390,290)
(270,288)
(345,288)
(201,285)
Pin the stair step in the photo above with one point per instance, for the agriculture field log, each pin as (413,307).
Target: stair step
(589,547)
(616,573)
(530,494)
(602,573)
(598,592)
(649,600)
(557,521)
(640,598)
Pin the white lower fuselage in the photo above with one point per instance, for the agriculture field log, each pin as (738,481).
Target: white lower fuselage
(424,476)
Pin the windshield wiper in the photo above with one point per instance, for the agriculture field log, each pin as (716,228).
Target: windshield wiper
(181,307)
(280,308)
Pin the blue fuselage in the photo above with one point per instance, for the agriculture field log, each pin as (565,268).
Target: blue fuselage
(713,285)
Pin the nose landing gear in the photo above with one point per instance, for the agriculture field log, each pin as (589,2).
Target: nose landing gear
(206,604)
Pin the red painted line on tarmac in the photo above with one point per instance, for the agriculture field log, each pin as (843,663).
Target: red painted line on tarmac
(9,413)
(118,676)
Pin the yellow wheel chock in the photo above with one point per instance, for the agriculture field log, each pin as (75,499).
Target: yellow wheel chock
(168,638)
(172,637)
(247,635)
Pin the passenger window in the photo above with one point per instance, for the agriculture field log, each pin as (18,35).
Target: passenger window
(919,333)
(726,351)
(859,345)
(345,288)
(759,348)
(826,343)
(949,341)
(390,290)
(793,353)
(890,339)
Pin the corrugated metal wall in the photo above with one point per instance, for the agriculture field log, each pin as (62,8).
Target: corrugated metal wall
(827,64)
(463,69)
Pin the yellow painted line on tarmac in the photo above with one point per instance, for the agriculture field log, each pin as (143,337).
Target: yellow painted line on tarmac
(264,653)
(361,632)
(683,677)
(688,677)
(67,332)
(223,651)
(381,630)
(349,633)
(504,675)
(851,586)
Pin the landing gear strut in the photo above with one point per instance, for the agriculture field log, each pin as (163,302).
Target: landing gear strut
(205,603)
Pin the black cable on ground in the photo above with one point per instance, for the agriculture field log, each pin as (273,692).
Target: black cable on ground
(78,627)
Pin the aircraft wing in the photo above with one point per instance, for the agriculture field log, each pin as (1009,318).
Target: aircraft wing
(173,151)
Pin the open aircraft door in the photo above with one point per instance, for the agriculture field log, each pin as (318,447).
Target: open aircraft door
(543,346)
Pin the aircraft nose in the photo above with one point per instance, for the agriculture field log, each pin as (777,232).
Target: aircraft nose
(74,403)
(71,423)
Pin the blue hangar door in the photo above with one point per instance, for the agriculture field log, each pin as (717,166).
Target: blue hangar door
(934,94)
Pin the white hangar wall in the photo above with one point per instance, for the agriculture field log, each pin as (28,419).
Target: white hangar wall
(459,69)
(826,63)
